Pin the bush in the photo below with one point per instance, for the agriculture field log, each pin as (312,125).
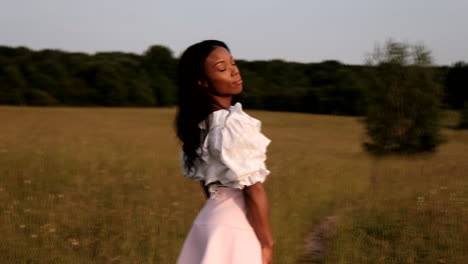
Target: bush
(403,111)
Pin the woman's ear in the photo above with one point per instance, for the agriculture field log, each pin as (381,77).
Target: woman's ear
(203,83)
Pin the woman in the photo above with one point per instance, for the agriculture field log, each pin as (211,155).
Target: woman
(223,149)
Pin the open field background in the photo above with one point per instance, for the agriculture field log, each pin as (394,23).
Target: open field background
(103,185)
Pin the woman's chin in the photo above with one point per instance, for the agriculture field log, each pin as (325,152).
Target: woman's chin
(238,89)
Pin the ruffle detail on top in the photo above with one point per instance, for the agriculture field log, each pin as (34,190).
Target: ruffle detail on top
(233,152)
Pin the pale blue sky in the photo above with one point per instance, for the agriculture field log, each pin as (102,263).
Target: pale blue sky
(294,30)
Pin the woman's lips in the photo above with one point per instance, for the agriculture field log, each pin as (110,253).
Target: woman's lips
(237,82)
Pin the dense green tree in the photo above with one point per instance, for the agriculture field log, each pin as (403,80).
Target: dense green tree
(159,59)
(160,67)
(13,86)
(403,111)
(164,90)
(464,116)
(140,92)
(456,84)
(39,97)
(76,91)
(127,79)
(253,94)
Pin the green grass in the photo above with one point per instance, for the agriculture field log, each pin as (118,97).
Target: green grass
(103,185)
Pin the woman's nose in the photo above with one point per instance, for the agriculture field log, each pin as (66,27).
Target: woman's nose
(234,70)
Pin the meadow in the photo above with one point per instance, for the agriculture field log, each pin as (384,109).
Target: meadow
(103,185)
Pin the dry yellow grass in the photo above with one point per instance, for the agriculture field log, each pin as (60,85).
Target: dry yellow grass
(103,185)
(416,212)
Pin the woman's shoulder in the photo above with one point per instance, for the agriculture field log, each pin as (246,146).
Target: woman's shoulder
(242,120)
(234,117)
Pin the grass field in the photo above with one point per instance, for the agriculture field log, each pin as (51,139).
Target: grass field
(103,185)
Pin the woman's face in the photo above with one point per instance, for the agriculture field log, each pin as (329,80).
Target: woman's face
(223,77)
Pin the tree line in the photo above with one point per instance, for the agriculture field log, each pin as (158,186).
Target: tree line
(54,77)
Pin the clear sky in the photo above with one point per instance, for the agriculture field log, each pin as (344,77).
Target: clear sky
(293,30)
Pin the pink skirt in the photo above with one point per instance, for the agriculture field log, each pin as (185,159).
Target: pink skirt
(221,233)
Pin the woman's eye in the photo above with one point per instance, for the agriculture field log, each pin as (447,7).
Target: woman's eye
(222,70)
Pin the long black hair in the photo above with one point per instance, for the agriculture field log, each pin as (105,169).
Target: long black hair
(194,102)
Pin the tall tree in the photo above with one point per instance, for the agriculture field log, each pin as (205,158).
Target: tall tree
(160,66)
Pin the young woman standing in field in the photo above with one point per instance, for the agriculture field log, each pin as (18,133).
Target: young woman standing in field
(223,149)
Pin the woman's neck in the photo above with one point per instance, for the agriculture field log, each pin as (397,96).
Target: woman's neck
(221,102)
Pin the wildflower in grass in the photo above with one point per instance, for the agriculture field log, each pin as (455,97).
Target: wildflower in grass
(22,226)
(33,236)
(420,202)
(74,242)
(116,258)
(60,195)
(27,181)
(52,230)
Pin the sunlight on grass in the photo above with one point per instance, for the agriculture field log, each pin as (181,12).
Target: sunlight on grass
(103,185)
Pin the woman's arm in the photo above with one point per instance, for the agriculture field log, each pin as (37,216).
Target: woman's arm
(258,214)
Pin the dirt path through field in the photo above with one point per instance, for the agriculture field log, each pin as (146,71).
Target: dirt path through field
(316,242)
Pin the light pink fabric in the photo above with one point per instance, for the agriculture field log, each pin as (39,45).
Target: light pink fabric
(221,233)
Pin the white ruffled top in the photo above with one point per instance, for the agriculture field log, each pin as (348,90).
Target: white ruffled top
(233,152)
